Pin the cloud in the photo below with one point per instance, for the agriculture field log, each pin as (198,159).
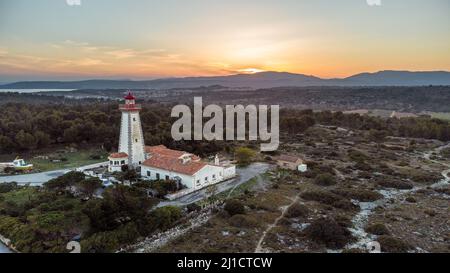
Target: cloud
(73,2)
(373,2)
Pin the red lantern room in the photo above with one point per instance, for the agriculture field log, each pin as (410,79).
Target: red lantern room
(130,103)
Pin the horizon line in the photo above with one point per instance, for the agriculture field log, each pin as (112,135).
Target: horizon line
(105,78)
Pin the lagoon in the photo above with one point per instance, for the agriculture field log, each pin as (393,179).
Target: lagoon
(10,90)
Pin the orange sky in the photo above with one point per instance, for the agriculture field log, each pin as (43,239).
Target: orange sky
(46,39)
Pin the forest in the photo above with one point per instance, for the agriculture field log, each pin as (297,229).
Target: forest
(25,127)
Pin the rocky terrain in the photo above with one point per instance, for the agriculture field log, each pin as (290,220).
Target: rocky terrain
(358,194)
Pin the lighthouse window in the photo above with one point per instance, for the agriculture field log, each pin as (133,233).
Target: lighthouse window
(135,140)
(134,119)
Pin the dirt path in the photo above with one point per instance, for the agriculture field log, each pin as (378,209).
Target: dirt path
(284,209)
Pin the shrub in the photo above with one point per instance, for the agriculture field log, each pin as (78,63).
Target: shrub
(67,180)
(244,155)
(359,194)
(297,210)
(410,199)
(426,178)
(378,229)
(243,221)
(95,157)
(325,179)
(392,245)
(164,217)
(401,185)
(193,207)
(102,242)
(328,232)
(357,156)
(328,198)
(430,212)
(7,187)
(234,207)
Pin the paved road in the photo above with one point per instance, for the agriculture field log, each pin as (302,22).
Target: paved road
(4,249)
(33,178)
(244,174)
(37,179)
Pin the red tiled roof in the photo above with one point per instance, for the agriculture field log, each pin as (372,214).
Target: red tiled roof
(118,155)
(174,164)
(289,158)
(163,150)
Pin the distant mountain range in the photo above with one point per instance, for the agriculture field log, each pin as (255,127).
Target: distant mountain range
(258,80)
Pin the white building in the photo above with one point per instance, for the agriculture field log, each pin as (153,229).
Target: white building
(116,161)
(165,164)
(159,162)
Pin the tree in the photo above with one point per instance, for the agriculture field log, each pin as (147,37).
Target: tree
(42,139)
(25,141)
(89,186)
(70,135)
(244,155)
(6,144)
(64,181)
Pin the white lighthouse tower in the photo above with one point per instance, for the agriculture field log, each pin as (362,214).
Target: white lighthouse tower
(131,140)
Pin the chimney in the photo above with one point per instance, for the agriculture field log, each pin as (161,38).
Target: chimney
(216,160)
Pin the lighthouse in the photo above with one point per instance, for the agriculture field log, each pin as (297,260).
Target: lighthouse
(131,141)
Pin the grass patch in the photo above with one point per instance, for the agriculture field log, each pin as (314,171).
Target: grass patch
(69,160)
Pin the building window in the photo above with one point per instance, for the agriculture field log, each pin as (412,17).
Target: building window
(206,178)
(157,176)
(111,162)
(116,162)
(198,182)
(140,162)
(149,173)
(122,162)
(167,177)
(214,176)
(134,119)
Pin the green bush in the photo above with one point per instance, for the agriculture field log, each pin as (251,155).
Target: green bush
(297,210)
(7,187)
(244,155)
(378,229)
(329,232)
(395,184)
(234,207)
(329,198)
(325,179)
(359,194)
(164,217)
(392,245)
(243,221)
(102,242)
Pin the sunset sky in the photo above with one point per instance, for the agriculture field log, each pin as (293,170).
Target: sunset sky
(139,39)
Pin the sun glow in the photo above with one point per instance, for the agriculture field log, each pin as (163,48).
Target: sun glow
(250,70)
